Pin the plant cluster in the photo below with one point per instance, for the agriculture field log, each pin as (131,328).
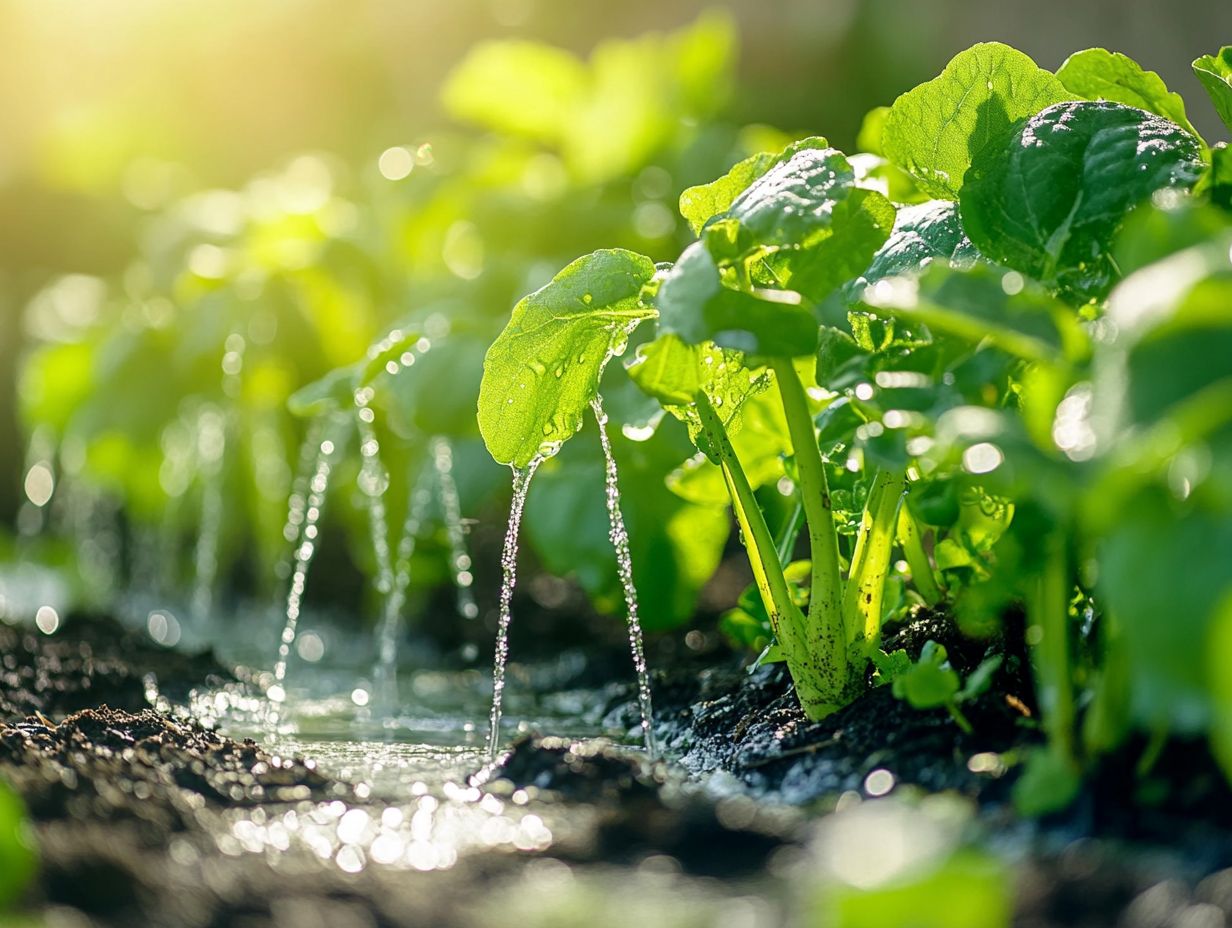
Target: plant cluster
(995,342)
(178,395)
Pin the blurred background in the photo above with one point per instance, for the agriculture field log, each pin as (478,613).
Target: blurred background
(333,168)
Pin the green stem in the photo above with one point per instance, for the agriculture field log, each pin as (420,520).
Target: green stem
(957,715)
(1048,612)
(763,556)
(785,544)
(825,614)
(816,696)
(871,561)
(910,540)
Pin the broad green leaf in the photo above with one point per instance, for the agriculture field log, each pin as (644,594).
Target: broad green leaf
(1153,232)
(872,130)
(983,304)
(1098,74)
(695,305)
(700,204)
(668,369)
(518,87)
(1049,201)
(1215,73)
(934,131)
(675,372)
(873,172)
(922,234)
(418,405)
(1164,575)
(542,372)
(806,224)
(1218,183)
(703,56)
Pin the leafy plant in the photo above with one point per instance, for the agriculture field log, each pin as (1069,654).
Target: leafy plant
(1018,384)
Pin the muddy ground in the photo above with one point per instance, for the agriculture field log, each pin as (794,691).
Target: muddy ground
(123,800)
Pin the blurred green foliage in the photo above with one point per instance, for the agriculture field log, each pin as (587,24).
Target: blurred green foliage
(18,860)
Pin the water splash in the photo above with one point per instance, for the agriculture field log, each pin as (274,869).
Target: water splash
(451,511)
(386,672)
(624,567)
(509,565)
(305,549)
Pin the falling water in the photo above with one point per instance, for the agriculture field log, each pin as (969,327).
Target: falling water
(306,546)
(211,447)
(624,564)
(214,427)
(297,504)
(451,511)
(386,673)
(509,565)
(391,582)
(373,482)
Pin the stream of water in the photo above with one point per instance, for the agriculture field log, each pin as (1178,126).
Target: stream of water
(386,672)
(624,567)
(308,521)
(451,511)
(509,577)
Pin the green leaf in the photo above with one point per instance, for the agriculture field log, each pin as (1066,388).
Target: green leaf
(675,373)
(872,130)
(807,221)
(934,131)
(1218,183)
(1051,199)
(18,861)
(930,682)
(1215,73)
(923,234)
(890,666)
(1152,233)
(1098,74)
(700,204)
(1049,783)
(983,304)
(517,87)
(1219,646)
(542,372)
(668,369)
(695,305)
(334,391)
(980,679)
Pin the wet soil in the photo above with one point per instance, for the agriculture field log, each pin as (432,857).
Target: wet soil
(121,796)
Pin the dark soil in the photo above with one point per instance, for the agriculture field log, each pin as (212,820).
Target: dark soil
(122,796)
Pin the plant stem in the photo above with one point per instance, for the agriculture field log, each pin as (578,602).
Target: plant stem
(825,615)
(922,576)
(786,542)
(1048,611)
(816,694)
(957,715)
(871,561)
(763,556)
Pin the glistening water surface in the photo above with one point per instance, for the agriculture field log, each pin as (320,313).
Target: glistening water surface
(413,805)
